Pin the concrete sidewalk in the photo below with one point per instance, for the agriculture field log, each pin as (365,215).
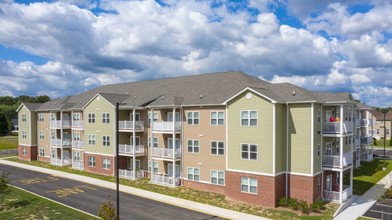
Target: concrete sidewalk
(364,202)
(199,207)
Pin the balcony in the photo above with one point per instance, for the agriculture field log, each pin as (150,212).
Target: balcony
(78,165)
(163,152)
(334,160)
(335,196)
(164,180)
(57,162)
(166,126)
(367,140)
(367,155)
(357,141)
(128,174)
(57,142)
(77,124)
(128,125)
(78,145)
(334,127)
(56,124)
(129,150)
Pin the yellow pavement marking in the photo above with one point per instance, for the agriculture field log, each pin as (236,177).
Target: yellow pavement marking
(37,180)
(69,191)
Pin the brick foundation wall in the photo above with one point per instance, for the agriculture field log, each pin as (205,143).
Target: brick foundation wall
(304,187)
(204,186)
(31,153)
(44,159)
(98,165)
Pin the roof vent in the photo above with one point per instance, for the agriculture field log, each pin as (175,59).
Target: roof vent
(294,93)
(80,102)
(163,97)
(134,97)
(201,96)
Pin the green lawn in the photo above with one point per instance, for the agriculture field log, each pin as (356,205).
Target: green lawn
(365,177)
(380,143)
(214,199)
(24,205)
(8,142)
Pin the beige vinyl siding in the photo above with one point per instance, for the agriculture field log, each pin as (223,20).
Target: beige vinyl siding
(260,134)
(280,136)
(25,126)
(317,139)
(99,106)
(300,138)
(44,127)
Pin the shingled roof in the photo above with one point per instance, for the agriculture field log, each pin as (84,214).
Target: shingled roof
(203,89)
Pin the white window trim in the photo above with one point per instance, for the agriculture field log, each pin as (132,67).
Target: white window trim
(41,117)
(249,125)
(105,118)
(41,135)
(193,117)
(217,177)
(94,161)
(193,173)
(217,119)
(93,119)
(24,118)
(106,140)
(92,137)
(257,152)
(107,164)
(193,146)
(249,191)
(217,148)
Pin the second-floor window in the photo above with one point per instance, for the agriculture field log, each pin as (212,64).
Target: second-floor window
(318,116)
(217,148)
(193,174)
(193,118)
(249,118)
(155,141)
(24,134)
(106,140)
(91,118)
(217,118)
(387,131)
(41,117)
(105,118)
(41,135)
(193,146)
(249,151)
(76,117)
(24,118)
(76,136)
(91,139)
(154,117)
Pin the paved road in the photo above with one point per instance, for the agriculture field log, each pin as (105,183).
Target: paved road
(382,209)
(8,152)
(88,198)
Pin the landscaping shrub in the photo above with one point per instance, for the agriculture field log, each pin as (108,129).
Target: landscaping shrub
(303,207)
(374,142)
(387,194)
(283,202)
(317,206)
(293,203)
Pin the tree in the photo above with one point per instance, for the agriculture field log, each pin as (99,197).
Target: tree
(5,188)
(42,99)
(107,211)
(3,124)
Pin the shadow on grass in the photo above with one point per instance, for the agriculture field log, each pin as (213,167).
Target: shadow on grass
(19,203)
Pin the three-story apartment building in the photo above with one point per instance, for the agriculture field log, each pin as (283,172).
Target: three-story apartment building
(230,133)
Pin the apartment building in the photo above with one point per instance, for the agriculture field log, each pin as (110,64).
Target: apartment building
(230,133)
(379,124)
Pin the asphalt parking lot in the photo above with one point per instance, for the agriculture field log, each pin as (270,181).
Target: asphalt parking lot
(382,209)
(380,153)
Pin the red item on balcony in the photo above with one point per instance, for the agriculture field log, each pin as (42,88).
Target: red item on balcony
(331,119)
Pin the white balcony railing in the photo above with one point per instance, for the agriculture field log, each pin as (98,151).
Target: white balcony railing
(164,180)
(334,160)
(166,126)
(334,127)
(78,144)
(128,174)
(78,165)
(366,122)
(128,149)
(58,123)
(128,125)
(78,124)
(357,141)
(163,152)
(335,195)
(367,140)
(57,162)
(57,142)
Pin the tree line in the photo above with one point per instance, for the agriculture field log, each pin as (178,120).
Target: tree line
(8,106)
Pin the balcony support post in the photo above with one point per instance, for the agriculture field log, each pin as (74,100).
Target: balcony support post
(62,136)
(174,145)
(341,187)
(134,144)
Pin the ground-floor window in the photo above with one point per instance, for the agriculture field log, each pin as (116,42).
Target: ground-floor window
(249,185)
(41,152)
(218,177)
(76,155)
(193,174)
(91,161)
(106,163)
(24,151)
(156,166)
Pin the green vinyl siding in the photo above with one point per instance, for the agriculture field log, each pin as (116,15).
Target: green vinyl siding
(317,139)
(33,125)
(280,143)
(261,135)
(25,126)
(99,106)
(300,138)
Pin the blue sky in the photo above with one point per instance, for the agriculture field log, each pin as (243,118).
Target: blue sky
(61,48)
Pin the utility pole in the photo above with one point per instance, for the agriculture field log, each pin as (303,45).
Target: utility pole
(117,163)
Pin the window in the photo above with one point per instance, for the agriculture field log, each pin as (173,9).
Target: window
(155,141)
(156,166)
(318,116)
(248,185)
(106,140)
(91,161)
(76,117)
(346,140)
(387,131)
(24,151)
(105,118)
(193,146)
(249,118)
(217,118)
(318,150)
(193,118)
(170,116)
(76,155)
(193,174)
(91,118)
(41,152)
(24,118)
(52,116)
(137,117)
(91,139)
(249,151)
(41,135)
(217,148)
(41,117)
(218,177)
(24,134)
(155,117)
(106,163)
(378,131)
(76,136)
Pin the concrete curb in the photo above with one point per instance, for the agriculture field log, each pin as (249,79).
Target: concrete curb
(195,206)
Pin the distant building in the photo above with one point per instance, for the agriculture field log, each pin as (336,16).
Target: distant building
(379,124)
(15,125)
(229,133)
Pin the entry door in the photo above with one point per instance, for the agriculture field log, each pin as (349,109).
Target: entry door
(328,148)
(328,185)
(328,115)
(170,116)
(170,169)
(137,140)
(130,164)
(66,155)
(170,143)
(65,117)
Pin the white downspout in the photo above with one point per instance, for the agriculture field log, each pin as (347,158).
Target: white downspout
(134,144)
(287,149)
(174,146)
(61,140)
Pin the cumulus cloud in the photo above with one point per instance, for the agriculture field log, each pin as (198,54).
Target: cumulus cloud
(90,43)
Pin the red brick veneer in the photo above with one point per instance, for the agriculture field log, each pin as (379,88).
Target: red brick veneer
(31,152)
(98,165)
